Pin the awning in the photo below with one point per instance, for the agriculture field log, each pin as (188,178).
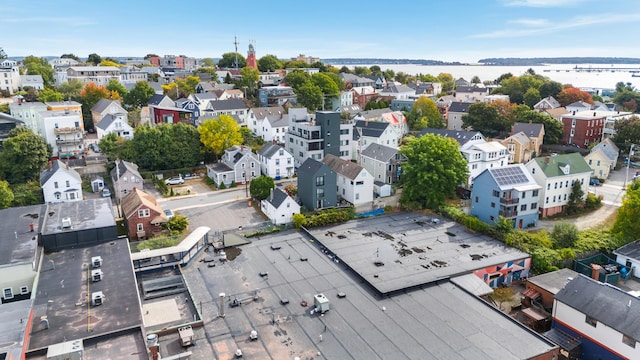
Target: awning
(473,284)
(562,339)
(533,314)
(531,293)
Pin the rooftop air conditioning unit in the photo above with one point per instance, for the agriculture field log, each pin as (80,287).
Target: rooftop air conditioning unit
(97,298)
(96,275)
(66,222)
(96,262)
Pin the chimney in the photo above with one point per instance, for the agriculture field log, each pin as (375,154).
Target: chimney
(547,159)
(271,195)
(50,164)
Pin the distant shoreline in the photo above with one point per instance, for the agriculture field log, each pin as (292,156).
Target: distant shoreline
(489,61)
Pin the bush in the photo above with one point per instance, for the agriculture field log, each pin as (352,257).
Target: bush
(564,234)
(299,220)
(222,186)
(209,181)
(388,209)
(325,217)
(233,184)
(593,202)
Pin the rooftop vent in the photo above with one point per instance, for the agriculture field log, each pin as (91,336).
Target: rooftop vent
(96,275)
(96,262)
(97,298)
(66,223)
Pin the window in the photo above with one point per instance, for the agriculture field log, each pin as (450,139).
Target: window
(57,196)
(591,321)
(555,186)
(320,192)
(523,207)
(548,186)
(546,201)
(289,161)
(533,171)
(143,213)
(55,184)
(8,293)
(320,181)
(554,198)
(277,161)
(524,194)
(357,196)
(627,340)
(72,196)
(534,206)
(496,193)
(565,197)
(535,193)
(493,204)
(140,227)
(24,290)
(281,152)
(67,183)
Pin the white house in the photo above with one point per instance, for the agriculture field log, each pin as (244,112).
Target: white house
(34,81)
(60,183)
(63,130)
(105,107)
(115,123)
(28,112)
(557,174)
(257,115)
(9,76)
(398,91)
(279,207)
(355,184)
(382,162)
(236,166)
(547,103)
(486,155)
(602,158)
(275,161)
(366,133)
(602,320)
(274,129)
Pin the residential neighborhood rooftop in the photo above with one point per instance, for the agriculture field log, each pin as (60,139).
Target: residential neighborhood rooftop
(17,242)
(87,214)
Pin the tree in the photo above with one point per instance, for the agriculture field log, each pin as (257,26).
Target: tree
(310,96)
(433,169)
(39,66)
(6,195)
(27,193)
(564,234)
(296,79)
(261,187)
(177,224)
(71,90)
(626,227)
(424,114)
(326,84)
(269,63)
(484,117)
(24,156)
(4,108)
(208,62)
(570,95)
(345,70)
(361,71)
(115,85)
(475,80)
(3,55)
(70,56)
(219,134)
(553,129)
(149,56)
(165,146)
(531,97)
(502,78)
(139,96)
(250,77)
(94,59)
(228,60)
(627,131)
(389,74)
(89,96)
(575,198)
(49,95)
(550,88)
(447,81)
(502,294)
(375,70)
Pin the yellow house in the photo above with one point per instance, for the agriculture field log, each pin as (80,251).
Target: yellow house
(71,106)
(535,133)
(602,158)
(518,147)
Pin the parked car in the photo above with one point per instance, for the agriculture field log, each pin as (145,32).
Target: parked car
(176,180)
(95,147)
(106,192)
(190,176)
(169,213)
(594,182)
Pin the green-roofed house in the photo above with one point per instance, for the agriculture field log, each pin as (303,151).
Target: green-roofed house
(556,175)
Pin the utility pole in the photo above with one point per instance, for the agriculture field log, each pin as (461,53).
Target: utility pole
(626,176)
(235,42)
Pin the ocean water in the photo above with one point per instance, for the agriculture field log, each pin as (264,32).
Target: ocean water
(600,76)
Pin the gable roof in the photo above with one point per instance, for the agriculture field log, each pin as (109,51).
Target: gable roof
(121,167)
(511,176)
(103,104)
(580,104)
(262,112)
(106,121)
(369,128)
(603,302)
(310,167)
(458,106)
(138,198)
(268,150)
(277,197)
(607,146)
(156,99)
(58,166)
(229,104)
(529,129)
(467,89)
(553,103)
(631,250)
(345,168)
(397,88)
(551,165)
(520,138)
(461,137)
(379,152)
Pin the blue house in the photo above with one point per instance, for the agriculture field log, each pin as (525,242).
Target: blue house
(190,106)
(510,192)
(317,185)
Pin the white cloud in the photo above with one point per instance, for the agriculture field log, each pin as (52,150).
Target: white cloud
(69,21)
(530,22)
(576,22)
(543,3)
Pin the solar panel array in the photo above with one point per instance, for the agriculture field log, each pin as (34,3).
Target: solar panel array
(509,175)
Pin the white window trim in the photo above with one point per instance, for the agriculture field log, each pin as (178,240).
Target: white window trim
(10,293)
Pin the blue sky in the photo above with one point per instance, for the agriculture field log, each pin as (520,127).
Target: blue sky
(455,30)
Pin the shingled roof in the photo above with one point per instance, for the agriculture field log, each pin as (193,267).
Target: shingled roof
(343,167)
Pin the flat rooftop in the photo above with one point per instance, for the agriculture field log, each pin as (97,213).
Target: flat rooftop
(86,214)
(17,242)
(440,321)
(14,317)
(553,281)
(64,294)
(405,250)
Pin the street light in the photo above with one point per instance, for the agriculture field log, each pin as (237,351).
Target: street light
(624,187)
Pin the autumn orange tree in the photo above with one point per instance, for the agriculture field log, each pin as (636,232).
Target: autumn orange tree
(89,96)
(569,95)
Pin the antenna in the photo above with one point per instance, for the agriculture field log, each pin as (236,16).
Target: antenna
(235,42)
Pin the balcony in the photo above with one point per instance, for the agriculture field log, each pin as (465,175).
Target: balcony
(67,130)
(70,141)
(510,214)
(509,201)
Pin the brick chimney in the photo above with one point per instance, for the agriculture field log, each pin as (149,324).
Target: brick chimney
(547,159)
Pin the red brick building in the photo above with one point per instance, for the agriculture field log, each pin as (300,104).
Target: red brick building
(170,115)
(142,214)
(582,128)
